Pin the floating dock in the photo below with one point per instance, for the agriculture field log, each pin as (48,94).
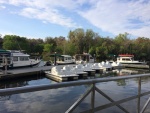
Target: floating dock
(139,66)
(23,72)
(61,78)
(90,72)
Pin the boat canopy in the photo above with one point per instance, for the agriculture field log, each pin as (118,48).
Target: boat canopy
(4,52)
(126,55)
(53,55)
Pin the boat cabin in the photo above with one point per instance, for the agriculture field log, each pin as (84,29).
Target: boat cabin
(19,56)
(65,59)
(127,59)
(84,58)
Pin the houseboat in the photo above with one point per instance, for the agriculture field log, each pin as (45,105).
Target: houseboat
(65,59)
(128,59)
(83,58)
(16,59)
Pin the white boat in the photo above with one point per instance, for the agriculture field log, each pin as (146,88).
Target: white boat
(83,58)
(17,59)
(61,74)
(65,59)
(128,59)
(117,65)
(78,69)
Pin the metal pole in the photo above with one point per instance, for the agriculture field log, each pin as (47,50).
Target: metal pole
(146,104)
(93,98)
(55,59)
(139,92)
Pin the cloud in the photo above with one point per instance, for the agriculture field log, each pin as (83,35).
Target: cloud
(2,7)
(47,11)
(115,16)
(48,15)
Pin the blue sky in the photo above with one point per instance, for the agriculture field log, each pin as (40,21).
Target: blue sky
(42,18)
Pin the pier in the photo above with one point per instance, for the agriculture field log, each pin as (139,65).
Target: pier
(140,66)
(6,74)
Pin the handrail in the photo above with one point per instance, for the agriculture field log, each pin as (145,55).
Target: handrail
(33,88)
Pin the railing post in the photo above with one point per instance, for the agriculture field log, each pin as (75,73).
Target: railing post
(139,92)
(93,98)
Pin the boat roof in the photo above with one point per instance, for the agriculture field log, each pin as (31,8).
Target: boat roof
(18,53)
(126,55)
(4,52)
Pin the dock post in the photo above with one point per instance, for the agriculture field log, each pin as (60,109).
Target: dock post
(5,65)
(55,59)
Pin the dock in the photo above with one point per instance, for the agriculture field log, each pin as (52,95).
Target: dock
(20,72)
(23,72)
(139,66)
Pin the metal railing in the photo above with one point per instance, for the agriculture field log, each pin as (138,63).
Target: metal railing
(91,90)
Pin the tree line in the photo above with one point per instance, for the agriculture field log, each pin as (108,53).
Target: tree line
(78,42)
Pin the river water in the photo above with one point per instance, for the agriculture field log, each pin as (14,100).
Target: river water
(59,100)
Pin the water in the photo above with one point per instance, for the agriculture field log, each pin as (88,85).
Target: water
(59,100)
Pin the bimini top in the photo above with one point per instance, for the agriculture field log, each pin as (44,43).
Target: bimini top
(4,52)
(126,55)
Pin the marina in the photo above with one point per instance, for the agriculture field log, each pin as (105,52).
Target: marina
(25,80)
(75,56)
(83,70)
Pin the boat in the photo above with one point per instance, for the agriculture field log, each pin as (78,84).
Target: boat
(61,74)
(65,59)
(84,58)
(128,59)
(16,59)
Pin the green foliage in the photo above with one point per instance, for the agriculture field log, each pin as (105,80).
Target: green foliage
(80,41)
(48,48)
(14,42)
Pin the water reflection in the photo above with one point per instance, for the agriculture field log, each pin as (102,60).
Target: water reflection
(20,82)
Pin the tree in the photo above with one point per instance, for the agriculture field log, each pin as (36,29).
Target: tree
(77,37)
(51,41)
(13,42)
(89,36)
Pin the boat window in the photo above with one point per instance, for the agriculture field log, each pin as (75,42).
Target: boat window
(126,59)
(15,58)
(24,58)
(91,57)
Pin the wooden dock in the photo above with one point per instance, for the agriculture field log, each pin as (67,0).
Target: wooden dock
(23,72)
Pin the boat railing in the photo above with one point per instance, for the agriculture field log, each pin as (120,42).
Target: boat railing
(5,60)
(92,89)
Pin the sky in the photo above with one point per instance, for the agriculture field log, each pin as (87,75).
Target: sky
(43,18)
